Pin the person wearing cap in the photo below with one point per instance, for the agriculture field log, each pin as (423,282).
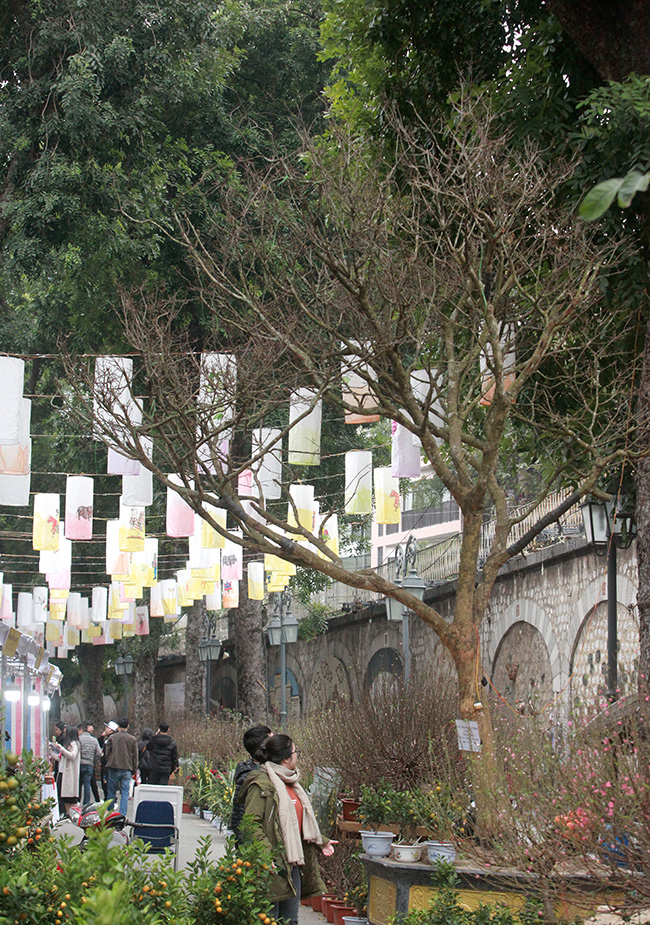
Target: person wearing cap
(121,762)
(109,729)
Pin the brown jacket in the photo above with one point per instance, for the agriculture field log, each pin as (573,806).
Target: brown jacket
(122,751)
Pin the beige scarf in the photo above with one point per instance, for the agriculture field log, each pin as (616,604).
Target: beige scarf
(279,775)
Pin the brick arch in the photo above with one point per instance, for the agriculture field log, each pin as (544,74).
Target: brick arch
(331,679)
(526,610)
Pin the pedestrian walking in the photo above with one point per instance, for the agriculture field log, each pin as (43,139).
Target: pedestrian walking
(121,763)
(109,729)
(273,795)
(68,754)
(90,754)
(254,739)
(164,756)
(144,756)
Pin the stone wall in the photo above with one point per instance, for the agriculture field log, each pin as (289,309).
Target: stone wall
(544,639)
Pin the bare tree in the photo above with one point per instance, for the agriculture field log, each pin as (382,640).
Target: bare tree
(457,289)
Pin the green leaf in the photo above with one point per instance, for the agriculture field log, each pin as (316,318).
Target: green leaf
(599,199)
(634,182)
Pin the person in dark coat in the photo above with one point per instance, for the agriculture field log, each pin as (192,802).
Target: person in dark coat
(144,762)
(163,754)
(254,739)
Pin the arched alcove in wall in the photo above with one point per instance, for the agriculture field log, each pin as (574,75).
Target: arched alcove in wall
(385,667)
(294,700)
(588,686)
(521,669)
(330,683)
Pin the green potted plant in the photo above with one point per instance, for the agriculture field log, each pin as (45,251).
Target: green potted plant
(439,810)
(375,808)
(404,813)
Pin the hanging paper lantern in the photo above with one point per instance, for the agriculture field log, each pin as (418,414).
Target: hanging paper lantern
(387,499)
(99,605)
(180,516)
(73,611)
(54,632)
(142,621)
(137,489)
(79,507)
(117,562)
(182,587)
(84,613)
(155,601)
(115,630)
(39,601)
(131,534)
(357,390)
(211,538)
(358,482)
(230,595)
(24,609)
(232,562)
(144,566)
(213,600)
(12,375)
(46,522)
(305,415)
(255,581)
(267,443)
(327,527)
(405,454)
(15,458)
(169,596)
(303,499)
(14,489)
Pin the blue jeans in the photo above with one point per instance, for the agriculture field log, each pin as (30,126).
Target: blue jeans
(86,773)
(287,909)
(119,779)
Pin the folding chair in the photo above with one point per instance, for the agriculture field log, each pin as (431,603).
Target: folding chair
(154,824)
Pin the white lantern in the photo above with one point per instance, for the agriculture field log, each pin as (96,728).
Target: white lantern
(327,528)
(387,499)
(305,415)
(180,516)
(117,562)
(12,375)
(132,528)
(358,482)
(267,444)
(99,611)
(256,581)
(357,391)
(6,604)
(137,490)
(73,610)
(302,497)
(213,600)
(14,489)
(24,610)
(46,522)
(39,602)
(425,386)
(405,453)
(155,601)
(168,590)
(232,562)
(15,458)
(79,507)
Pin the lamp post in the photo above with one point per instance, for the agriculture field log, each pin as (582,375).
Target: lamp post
(124,665)
(209,651)
(609,527)
(405,558)
(282,629)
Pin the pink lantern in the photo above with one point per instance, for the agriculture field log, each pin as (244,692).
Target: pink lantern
(180,516)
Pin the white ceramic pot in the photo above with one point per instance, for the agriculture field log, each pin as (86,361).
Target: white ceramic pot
(440,850)
(407,853)
(207,815)
(377,844)
(354,920)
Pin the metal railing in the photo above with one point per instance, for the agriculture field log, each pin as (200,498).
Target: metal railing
(440,561)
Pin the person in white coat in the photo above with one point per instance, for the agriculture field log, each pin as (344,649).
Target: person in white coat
(68,754)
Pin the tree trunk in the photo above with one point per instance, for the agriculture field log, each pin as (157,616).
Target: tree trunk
(91,663)
(145,692)
(194,670)
(643,521)
(249,647)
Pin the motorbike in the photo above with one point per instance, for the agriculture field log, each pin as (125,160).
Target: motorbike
(87,817)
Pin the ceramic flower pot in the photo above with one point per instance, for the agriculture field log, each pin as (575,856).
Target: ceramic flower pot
(350,808)
(409,854)
(354,920)
(437,850)
(377,844)
(341,911)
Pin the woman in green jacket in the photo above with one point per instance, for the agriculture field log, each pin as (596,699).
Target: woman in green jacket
(286,824)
